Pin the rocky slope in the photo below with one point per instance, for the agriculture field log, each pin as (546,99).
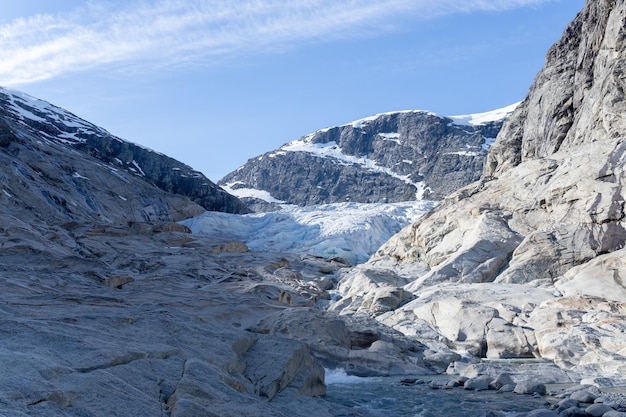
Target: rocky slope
(389,157)
(109,307)
(531,255)
(43,143)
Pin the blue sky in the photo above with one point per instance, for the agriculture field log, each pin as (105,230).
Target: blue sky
(216,82)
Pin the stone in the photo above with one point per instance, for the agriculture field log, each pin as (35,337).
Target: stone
(270,370)
(572,412)
(598,410)
(480,383)
(230,247)
(501,380)
(614,413)
(530,387)
(566,403)
(583,396)
(505,340)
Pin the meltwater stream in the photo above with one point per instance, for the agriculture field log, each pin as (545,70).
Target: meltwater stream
(389,398)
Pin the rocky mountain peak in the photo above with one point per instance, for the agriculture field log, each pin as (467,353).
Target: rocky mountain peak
(390,157)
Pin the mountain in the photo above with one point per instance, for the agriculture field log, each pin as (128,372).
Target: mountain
(533,253)
(55,163)
(110,306)
(391,157)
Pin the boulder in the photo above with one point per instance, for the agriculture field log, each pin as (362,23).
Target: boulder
(273,364)
(463,323)
(583,396)
(360,345)
(479,383)
(501,380)
(530,387)
(598,410)
(505,340)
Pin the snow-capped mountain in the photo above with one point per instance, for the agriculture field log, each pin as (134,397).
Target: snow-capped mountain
(390,157)
(35,133)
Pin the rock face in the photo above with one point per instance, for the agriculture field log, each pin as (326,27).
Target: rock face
(548,211)
(127,320)
(384,158)
(37,138)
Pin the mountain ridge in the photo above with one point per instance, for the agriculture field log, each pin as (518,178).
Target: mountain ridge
(28,121)
(388,157)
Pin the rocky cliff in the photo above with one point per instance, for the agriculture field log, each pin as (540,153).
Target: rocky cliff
(43,142)
(547,216)
(389,157)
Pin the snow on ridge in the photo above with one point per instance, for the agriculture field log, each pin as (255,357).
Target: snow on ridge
(477,119)
(250,193)
(359,124)
(20,102)
(473,119)
(24,105)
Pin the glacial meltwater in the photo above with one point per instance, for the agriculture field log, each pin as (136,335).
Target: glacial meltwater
(388,397)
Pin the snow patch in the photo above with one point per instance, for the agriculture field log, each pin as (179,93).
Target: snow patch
(136,165)
(77,175)
(478,119)
(250,193)
(464,153)
(277,153)
(392,137)
(488,143)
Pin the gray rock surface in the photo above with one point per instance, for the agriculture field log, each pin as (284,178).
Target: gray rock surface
(123,320)
(547,213)
(384,158)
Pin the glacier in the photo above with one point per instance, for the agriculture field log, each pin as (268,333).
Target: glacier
(353,231)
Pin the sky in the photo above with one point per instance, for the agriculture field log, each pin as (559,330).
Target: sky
(214,83)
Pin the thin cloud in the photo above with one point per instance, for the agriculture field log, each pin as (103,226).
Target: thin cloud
(170,33)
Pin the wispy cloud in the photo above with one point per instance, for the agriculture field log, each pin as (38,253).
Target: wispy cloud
(169,33)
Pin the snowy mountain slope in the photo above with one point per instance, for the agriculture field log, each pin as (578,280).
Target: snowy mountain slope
(389,157)
(352,231)
(46,123)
